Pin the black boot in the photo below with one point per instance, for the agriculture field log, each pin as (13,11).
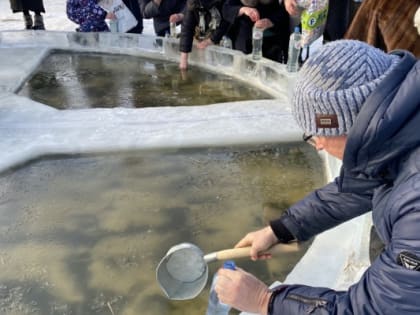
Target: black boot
(39,22)
(28,21)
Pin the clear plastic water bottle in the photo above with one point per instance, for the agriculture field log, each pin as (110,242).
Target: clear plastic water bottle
(215,307)
(226,42)
(294,50)
(257,39)
(172,28)
(113,25)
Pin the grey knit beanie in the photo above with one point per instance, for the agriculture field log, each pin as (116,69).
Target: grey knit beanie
(334,83)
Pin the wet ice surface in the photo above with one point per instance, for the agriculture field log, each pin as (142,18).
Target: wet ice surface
(85,80)
(83,235)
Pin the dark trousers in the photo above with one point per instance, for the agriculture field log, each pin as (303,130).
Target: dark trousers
(134,7)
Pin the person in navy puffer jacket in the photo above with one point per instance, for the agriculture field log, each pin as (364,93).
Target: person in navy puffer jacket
(88,15)
(362,106)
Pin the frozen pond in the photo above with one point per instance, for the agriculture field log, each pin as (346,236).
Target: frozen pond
(68,80)
(83,234)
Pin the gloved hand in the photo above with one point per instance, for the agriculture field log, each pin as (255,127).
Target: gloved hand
(242,291)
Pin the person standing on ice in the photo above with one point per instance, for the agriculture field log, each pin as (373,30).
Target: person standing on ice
(36,6)
(362,106)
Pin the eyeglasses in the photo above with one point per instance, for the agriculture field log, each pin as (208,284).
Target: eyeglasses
(309,139)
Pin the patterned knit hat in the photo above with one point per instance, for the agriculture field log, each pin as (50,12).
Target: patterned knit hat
(334,83)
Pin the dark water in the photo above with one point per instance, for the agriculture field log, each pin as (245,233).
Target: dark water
(84,234)
(85,80)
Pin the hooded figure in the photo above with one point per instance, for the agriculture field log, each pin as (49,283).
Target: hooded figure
(362,105)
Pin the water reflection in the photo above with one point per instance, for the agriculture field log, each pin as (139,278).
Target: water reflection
(83,235)
(86,80)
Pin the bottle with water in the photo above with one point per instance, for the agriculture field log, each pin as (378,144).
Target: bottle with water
(226,42)
(294,50)
(172,28)
(215,307)
(257,39)
(113,25)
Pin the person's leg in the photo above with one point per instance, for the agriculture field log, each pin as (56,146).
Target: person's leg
(28,19)
(133,6)
(243,35)
(39,21)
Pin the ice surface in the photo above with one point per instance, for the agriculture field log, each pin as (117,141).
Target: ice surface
(30,129)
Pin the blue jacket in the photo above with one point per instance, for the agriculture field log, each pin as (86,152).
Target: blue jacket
(380,172)
(88,15)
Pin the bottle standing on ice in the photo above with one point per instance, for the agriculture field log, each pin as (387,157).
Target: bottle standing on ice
(172,27)
(294,50)
(257,38)
(226,42)
(215,307)
(113,25)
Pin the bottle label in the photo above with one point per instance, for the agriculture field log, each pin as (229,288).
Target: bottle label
(312,20)
(257,33)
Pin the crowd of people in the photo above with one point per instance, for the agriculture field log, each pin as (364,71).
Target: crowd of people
(357,99)
(380,23)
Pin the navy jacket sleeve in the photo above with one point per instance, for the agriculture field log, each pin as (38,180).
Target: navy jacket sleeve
(321,210)
(385,288)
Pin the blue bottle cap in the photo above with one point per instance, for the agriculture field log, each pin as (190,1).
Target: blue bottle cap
(229,264)
(297,29)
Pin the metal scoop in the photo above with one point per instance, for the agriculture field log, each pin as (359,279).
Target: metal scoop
(182,273)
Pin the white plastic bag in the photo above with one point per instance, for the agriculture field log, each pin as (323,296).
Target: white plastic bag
(126,20)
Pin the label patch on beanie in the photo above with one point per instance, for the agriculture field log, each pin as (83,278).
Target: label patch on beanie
(326,121)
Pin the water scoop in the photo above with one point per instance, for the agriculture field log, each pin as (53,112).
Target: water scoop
(182,273)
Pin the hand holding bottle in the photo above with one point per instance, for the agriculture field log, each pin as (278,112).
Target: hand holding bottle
(176,17)
(252,13)
(263,24)
(110,16)
(242,291)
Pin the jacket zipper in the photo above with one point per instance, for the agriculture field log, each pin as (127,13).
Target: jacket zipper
(314,302)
